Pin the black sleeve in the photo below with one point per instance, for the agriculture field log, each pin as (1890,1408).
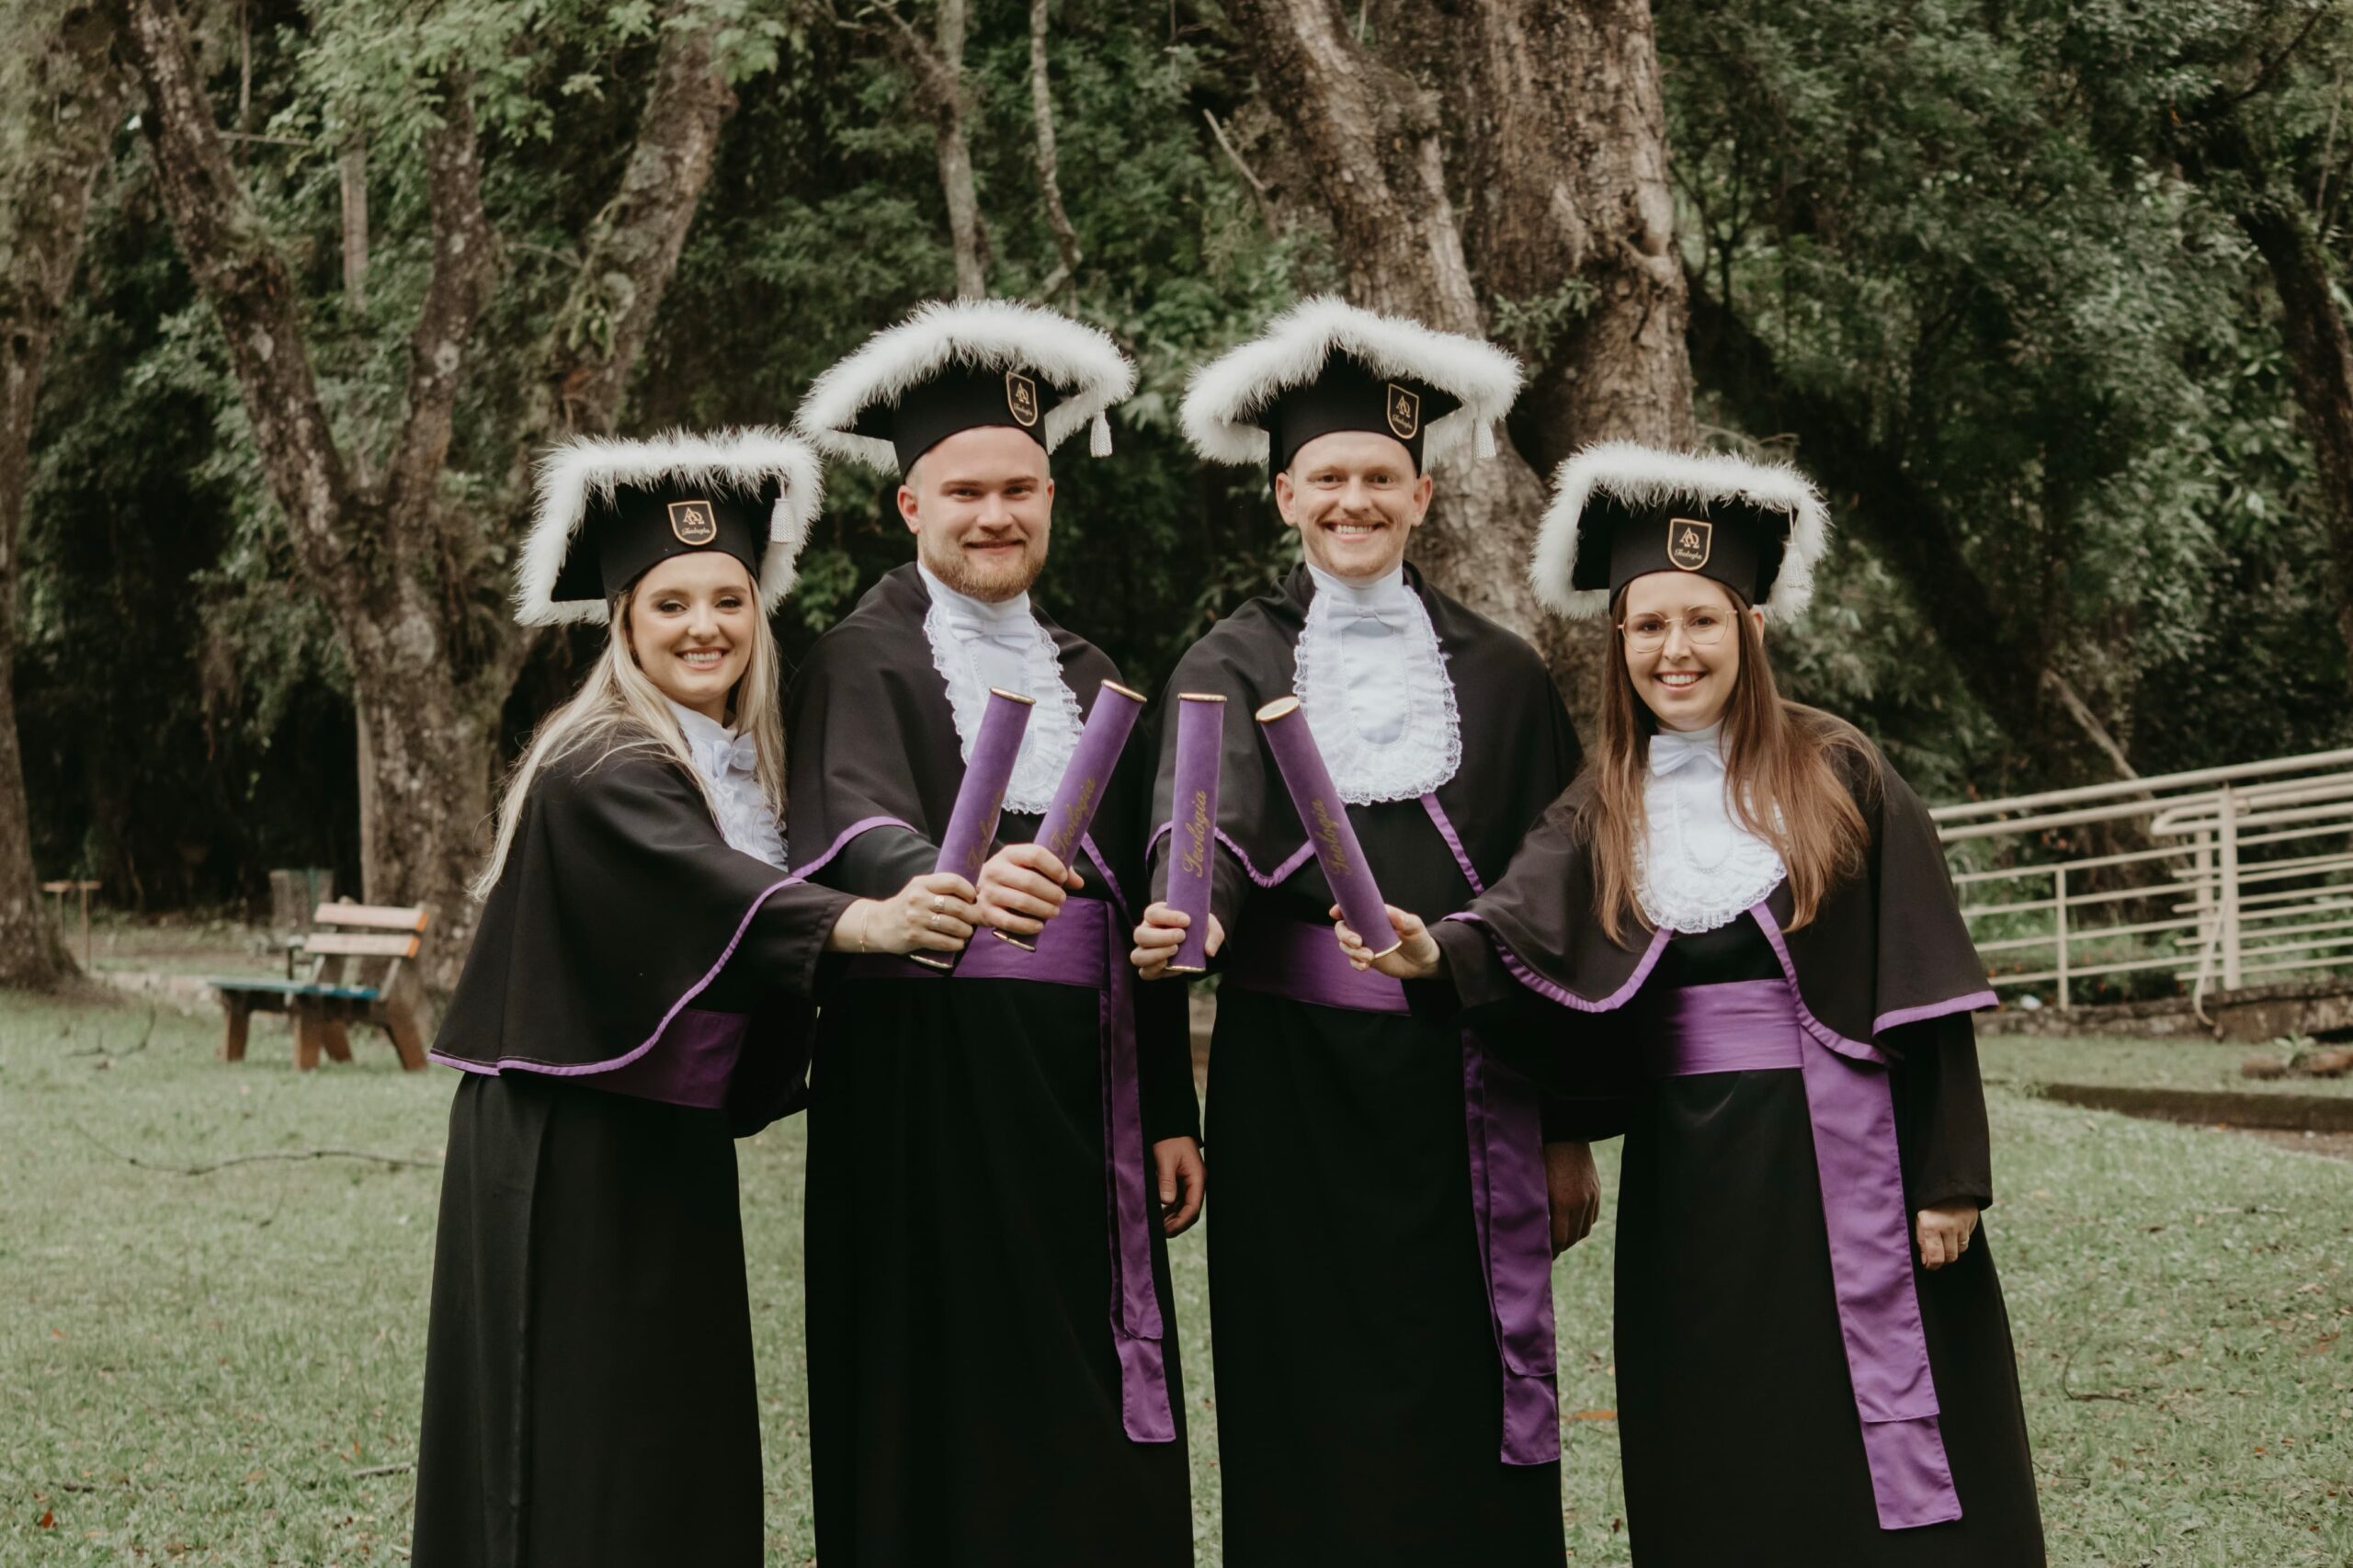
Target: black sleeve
(880,861)
(1472,986)
(1165,1062)
(1941,1112)
(1229,882)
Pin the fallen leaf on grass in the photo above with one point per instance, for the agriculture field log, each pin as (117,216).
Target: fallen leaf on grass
(49,1519)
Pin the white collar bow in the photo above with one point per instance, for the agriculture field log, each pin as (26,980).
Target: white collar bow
(1672,749)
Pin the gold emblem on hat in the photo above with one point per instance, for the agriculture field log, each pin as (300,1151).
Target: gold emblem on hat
(1021,398)
(1689,542)
(693,523)
(1404,412)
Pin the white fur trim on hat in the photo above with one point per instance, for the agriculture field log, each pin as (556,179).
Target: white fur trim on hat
(1083,364)
(727,459)
(1226,394)
(1647,476)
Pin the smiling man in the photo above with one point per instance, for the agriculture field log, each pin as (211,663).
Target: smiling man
(993,1371)
(1388,1203)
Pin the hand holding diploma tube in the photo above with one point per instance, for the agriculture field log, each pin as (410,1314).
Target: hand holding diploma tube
(964,848)
(1325,817)
(1412,953)
(1064,828)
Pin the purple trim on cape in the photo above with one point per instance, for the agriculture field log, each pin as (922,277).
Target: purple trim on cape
(1860,1050)
(1444,826)
(695,1065)
(1976,1001)
(1567,998)
(1282,872)
(1119,899)
(579,1070)
(841,842)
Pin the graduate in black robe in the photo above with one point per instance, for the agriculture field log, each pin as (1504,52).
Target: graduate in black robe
(1811,1331)
(635,998)
(1381,1250)
(991,1345)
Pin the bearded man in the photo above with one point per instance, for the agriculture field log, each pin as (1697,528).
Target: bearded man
(991,1345)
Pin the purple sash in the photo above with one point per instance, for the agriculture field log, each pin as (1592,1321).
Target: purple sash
(1510,1202)
(1755,1026)
(698,1057)
(1086,946)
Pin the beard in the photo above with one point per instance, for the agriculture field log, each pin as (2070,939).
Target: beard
(991,583)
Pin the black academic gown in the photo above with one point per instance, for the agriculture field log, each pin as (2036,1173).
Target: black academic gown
(1733,1381)
(965,1394)
(1358,1382)
(590,1394)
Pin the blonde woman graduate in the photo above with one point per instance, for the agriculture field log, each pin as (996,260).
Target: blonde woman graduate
(634,1000)
(1810,1332)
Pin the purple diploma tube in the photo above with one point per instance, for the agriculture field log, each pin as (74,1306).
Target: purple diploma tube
(1192,826)
(1325,817)
(964,848)
(1085,781)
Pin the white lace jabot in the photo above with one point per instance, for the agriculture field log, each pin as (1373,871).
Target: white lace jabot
(1696,868)
(729,763)
(1372,680)
(974,646)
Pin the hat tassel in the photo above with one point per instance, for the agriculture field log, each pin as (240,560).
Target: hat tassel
(1485,441)
(1098,437)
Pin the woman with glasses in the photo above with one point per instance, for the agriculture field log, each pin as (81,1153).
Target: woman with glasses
(1739,919)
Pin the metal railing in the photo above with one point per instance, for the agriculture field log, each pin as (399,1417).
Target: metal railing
(2228,877)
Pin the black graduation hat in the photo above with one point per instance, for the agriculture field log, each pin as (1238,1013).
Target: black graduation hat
(961,365)
(1324,365)
(610,509)
(1620,511)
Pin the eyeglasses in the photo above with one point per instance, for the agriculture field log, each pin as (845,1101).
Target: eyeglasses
(1701,629)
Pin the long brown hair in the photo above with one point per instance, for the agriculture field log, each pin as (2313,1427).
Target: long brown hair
(1779,778)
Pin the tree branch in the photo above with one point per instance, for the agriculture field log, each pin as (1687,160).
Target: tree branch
(634,244)
(208,1167)
(465,270)
(938,66)
(245,282)
(1042,109)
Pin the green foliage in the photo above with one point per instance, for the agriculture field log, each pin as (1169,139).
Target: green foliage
(1965,225)
(1979,230)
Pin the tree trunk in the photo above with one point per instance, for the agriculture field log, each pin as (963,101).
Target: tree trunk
(1557,111)
(1369,138)
(1560,126)
(2319,357)
(71,95)
(391,562)
(1042,112)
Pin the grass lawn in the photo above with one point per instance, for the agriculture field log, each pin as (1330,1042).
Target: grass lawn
(204,1369)
(2147,1063)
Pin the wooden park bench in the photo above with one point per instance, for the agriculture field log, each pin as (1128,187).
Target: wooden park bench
(359,974)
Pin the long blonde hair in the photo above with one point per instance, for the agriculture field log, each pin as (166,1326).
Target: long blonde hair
(1778,778)
(619,706)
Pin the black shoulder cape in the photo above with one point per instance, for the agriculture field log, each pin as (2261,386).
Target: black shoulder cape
(1885,949)
(618,907)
